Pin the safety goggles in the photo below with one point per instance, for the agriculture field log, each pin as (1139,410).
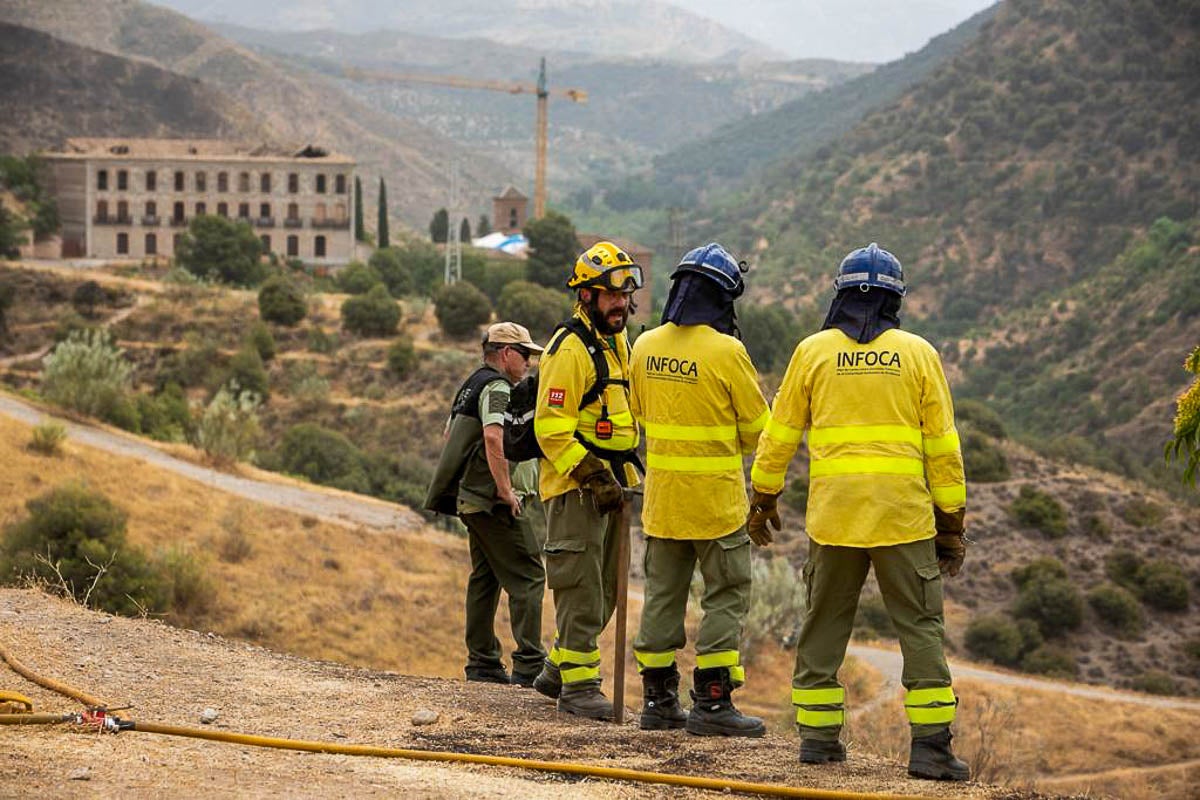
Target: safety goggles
(619,279)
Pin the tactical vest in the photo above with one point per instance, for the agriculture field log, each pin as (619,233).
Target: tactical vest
(462,469)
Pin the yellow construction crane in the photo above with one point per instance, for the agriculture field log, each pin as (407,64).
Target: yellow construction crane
(512,87)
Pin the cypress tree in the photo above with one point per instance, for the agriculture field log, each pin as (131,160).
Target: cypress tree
(381,235)
(360,228)
(439,226)
(464,231)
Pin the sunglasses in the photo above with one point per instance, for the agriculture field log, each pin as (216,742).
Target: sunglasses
(521,351)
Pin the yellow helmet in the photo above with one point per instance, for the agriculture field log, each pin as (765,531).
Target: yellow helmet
(606,266)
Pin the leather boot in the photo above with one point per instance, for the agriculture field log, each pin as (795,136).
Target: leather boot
(931,758)
(486,674)
(821,751)
(589,702)
(713,713)
(660,693)
(549,681)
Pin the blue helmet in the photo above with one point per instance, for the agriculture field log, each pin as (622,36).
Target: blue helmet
(868,267)
(714,262)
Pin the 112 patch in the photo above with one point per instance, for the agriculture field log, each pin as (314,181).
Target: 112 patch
(556,398)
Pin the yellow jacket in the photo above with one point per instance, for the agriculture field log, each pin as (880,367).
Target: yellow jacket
(696,396)
(563,378)
(883,449)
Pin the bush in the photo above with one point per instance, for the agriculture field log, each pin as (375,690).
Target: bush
(1121,566)
(74,541)
(372,314)
(1053,603)
(87,296)
(1050,660)
(166,416)
(48,438)
(978,416)
(1117,608)
(461,309)
(219,249)
(1162,585)
(392,266)
(323,456)
(358,278)
(262,341)
(188,585)
(229,429)
(1154,681)
(1039,569)
(995,638)
(1141,513)
(402,356)
(776,605)
(88,374)
(281,301)
(1036,509)
(247,373)
(553,248)
(538,308)
(983,460)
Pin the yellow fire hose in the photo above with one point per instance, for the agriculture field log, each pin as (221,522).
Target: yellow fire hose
(567,768)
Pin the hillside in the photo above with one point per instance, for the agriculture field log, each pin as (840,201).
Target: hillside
(290,107)
(53,90)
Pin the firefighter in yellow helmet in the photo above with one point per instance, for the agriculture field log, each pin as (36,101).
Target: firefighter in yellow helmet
(588,437)
(696,395)
(886,490)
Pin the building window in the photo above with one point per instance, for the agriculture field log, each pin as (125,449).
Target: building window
(122,180)
(179,180)
(122,211)
(177,213)
(201,182)
(266,243)
(243,211)
(123,244)
(223,210)
(101,210)
(319,212)
(339,184)
(293,183)
(102,180)
(151,244)
(320,184)
(176,240)
(151,208)
(293,211)
(264,210)
(151,180)
(264,183)
(243,181)
(201,209)
(222,181)
(319,247)
(293,246)
(339,212)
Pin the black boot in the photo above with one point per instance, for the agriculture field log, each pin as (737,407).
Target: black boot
(487,674)
(660,691)
(549,680)
(589,702)
(821,751)
(931,758)
(713,713)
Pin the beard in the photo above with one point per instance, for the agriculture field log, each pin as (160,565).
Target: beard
(609,325)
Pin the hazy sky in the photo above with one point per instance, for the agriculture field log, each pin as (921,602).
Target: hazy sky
(848,30)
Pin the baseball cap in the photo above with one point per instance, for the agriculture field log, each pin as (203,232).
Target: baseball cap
(511,333)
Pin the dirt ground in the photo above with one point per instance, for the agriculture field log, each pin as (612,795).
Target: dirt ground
(171,676)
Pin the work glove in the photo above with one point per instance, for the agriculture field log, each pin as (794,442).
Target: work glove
(594,475)
(762,511)
(950,541)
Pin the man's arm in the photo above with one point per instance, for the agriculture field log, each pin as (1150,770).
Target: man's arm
(493,446)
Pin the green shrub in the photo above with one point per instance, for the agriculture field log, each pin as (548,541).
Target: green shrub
(188,584)
(538,308)
(229,429)
(262,340)
(219,249)
(1117,608)
(402,356)
(1045,568)
(1162,585)
(47,438)
(1154,681)
(87,296)
(372,314)
(1053,603)
(358,278)
(983,460)
(995,638)
(74,541)
(1141,513)
(1122,565)
(320,341)
(1036,509)
(88,374)
(776,605)
(281,301)
(1050,660)
(247,373)
(392,267)
(978,416)
(461,309)
(1031,635)
(323,456)
(404,479)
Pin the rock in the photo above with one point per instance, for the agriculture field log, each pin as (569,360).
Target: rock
(81,774)
(425,717)
(208,716)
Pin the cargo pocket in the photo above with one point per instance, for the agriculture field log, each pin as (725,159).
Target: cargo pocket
(806,575)
(564,564)
(931,588)
(735,558)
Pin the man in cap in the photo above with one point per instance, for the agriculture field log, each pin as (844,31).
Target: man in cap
(474,481)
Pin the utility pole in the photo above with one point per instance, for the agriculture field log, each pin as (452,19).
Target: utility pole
(539,174)
(675,228)
(454,215)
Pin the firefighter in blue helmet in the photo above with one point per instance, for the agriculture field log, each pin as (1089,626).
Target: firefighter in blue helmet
(886,490)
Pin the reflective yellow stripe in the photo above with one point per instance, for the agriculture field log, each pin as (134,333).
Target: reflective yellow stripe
(834,696)
(949,497)
(819,719)
(552,425)
(930,716)
(737,674)
(783,433)
(866,465)
(755,425)
(654,660)
(570,457)
(690,433)
(578,656)
(723,658)
(580,674)
(924,697)
(770,481)
(694,463)
(937,445)
(862,434)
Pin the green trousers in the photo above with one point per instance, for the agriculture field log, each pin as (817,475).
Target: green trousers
(911,586)
(581,571)
(504,555)
(725,568)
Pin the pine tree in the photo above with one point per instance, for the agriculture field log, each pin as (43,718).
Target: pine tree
(381,234)
(360,228)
